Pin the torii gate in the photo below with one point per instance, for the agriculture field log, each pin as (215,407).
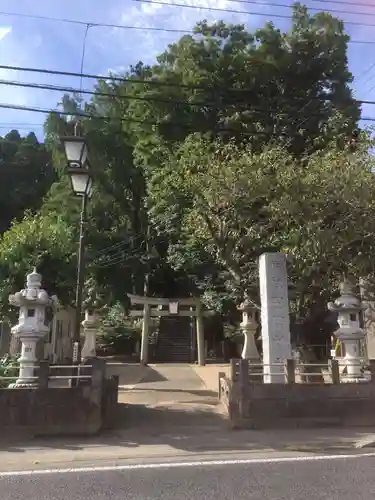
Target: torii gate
(153,307)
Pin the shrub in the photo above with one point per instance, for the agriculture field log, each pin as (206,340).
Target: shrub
(9,367)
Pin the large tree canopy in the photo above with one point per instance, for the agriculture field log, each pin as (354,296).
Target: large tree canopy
(198,158)
(233,204)
(257,86)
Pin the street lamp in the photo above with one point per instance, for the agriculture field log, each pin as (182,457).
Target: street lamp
(79,170)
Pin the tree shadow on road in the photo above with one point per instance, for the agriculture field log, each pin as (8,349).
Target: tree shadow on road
(190,427)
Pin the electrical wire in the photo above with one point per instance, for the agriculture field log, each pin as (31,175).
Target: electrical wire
(341,2)
(91,23)
(103,78)
(175,30)
(18,127)
(129,119)
(115,79)
(281,5)
(233,11)
(113,247)
(98,93)
(34,109)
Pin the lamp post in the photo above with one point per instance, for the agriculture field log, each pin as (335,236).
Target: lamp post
(79,171)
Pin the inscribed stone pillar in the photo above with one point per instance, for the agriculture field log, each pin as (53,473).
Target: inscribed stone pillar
(368,299)
(274,315)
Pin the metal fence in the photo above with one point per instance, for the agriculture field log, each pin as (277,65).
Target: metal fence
(292,372)
(46,375)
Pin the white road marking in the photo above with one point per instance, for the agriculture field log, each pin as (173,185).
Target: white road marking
(201,463)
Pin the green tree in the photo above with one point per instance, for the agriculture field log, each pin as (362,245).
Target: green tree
(26,174)
(46,243)
(292,89)
(234,204)
(228,82)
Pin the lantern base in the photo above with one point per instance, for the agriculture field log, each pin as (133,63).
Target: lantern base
(23,385)
(353,380)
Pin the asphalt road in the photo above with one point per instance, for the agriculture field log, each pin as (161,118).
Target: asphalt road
(330,478)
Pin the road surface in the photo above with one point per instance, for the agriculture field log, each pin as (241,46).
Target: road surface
(305,477)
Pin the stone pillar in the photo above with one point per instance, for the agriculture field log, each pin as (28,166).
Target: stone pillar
(348,307)
(145,334)
(90,327)
(5,336)
(200,335)
(32,302)
(248,328)
(274,316)
(367,292)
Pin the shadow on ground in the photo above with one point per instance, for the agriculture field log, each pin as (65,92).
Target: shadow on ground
(135,374)
(194,430)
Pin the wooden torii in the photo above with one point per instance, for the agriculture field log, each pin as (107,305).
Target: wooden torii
(153,307)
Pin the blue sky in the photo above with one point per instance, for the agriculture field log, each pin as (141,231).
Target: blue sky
(58,45)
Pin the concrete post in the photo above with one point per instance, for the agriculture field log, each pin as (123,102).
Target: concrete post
(200,336)
(335,371)
(290,368)
(5,337)
(145,334)
(43,375)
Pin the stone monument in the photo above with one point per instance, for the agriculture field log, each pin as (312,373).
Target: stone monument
(367,292)
(348,307)
(274,315)
(33,302)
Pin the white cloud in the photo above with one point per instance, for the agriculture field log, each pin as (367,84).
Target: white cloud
(146,44)
(4,30)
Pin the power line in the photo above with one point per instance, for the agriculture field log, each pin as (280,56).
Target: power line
(35,109)
(233,11)
(288,6)
(102,78)
(91,23)
(175,30)
(21,124)
(116,79)
(341,2)
(73,90)
(19,127)
(365,73)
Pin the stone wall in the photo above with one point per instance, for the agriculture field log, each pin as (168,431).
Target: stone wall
(309,405)
(261,406)
(83,410)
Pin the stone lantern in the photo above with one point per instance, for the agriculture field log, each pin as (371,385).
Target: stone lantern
(91,324)
(248,328)
(348,307)
(33,303)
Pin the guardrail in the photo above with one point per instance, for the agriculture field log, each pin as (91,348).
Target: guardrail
(46,375)
(294,372)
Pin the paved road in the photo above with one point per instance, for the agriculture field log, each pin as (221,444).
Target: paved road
(330,478)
